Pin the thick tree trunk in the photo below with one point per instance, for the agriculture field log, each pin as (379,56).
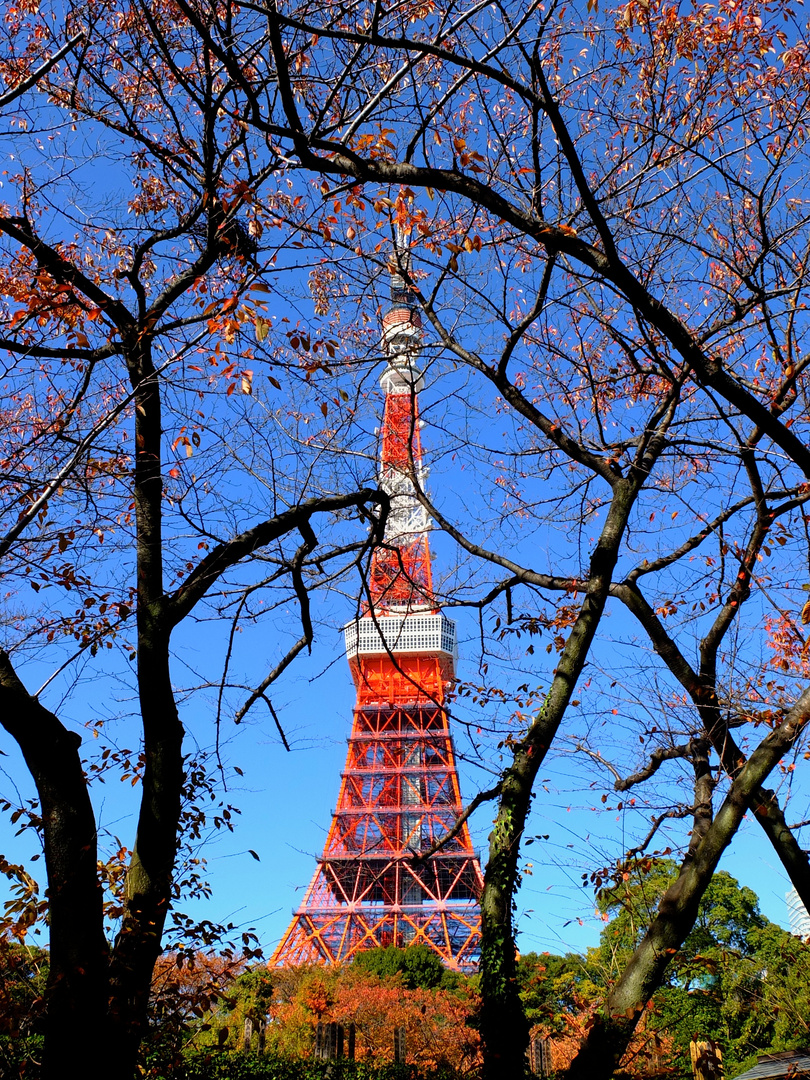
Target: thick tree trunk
(503,1025)
(77,984)
(504,1031)
(149,876)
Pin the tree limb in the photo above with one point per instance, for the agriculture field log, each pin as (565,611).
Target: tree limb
(612,1030)
(40,72)
(458,824)
(178,604)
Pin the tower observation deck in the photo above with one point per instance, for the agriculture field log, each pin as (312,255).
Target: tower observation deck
(399,791)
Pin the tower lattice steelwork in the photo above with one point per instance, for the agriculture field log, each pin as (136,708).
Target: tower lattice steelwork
(399,792)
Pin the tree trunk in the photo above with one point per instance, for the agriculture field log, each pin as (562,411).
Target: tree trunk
(504,1031)
(503,1025)
(149,876)
(76,994)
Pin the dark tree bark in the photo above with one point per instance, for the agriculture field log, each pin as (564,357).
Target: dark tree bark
(77,981)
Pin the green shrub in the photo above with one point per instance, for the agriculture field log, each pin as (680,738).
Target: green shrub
(213,1065)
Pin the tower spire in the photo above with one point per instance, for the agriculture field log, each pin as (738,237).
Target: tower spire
(399,792)
(400,571)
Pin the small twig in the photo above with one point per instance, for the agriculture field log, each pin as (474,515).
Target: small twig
(229,651)
(279,728)
(677,812)
(596,755)
(281,666)
(305,641)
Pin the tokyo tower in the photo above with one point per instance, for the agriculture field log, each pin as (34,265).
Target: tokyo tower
(399,791)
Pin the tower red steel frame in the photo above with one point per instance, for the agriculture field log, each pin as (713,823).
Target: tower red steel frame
(399,792)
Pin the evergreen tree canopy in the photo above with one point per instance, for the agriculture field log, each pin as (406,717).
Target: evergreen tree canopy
(419,966)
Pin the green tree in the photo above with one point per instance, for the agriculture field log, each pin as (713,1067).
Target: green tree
(738,978)
(727,920)
(247,999)
(774,994)
(551,986)
(418,965)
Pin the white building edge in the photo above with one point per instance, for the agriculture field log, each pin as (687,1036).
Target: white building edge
(798,916)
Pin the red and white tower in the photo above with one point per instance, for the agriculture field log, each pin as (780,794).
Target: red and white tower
(399,792)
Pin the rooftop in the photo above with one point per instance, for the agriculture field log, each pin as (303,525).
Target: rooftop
(791,1063)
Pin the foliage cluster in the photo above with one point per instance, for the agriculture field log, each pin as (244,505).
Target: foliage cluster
(23,977)
(418,965)
(435,1017)
(198,1013)
(739,979)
